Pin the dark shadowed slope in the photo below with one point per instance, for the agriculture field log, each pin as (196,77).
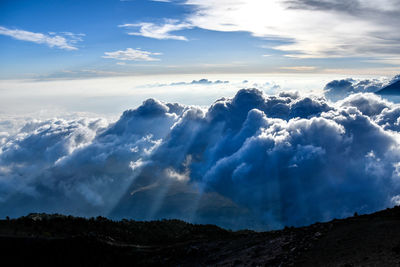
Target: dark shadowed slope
(392,89)
(367,240)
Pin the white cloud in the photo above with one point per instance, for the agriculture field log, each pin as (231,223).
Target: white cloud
(131,54)
(299,68)
(308,29)
(74,37)
(66,42)
(161,31)
(388,60)
(313,29)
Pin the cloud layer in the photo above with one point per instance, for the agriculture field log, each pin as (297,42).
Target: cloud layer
(252,161)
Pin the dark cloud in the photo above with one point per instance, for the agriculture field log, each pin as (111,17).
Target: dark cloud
(337,5)
(385,13)
(252,161)
(351,7)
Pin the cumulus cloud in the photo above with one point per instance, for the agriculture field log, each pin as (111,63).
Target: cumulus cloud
(131,54)
(339,89)
(251,161)
(64,40)
(159,31)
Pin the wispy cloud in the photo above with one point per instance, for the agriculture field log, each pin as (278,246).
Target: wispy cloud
(131,54)
(309,29)
(159,31)
(65,40)
(388,61)
(74,37)
(299,68)
(305,28)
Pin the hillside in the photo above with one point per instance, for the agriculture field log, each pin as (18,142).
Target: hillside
(392,89)
(367,240)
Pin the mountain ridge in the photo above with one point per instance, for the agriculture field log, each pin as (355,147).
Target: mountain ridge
(367,240)
(391,89)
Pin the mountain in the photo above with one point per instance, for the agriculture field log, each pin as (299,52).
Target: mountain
(57,240)
(392,89)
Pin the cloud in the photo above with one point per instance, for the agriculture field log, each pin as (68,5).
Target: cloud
(67,42)
(395,61)
(74,37)
(339,89)
(130,54)
(308,29)
(251,161)
(161,31)
(299,68)
(206,81)
(194,82)
(304,28)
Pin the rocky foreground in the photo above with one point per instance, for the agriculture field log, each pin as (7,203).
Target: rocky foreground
(42,239)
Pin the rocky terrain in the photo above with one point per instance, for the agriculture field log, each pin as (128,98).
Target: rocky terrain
(57,240)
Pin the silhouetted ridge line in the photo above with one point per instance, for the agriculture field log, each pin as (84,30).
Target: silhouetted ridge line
(361,240)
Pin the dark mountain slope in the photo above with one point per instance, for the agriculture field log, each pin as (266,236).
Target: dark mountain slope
(392,89)
(367,240)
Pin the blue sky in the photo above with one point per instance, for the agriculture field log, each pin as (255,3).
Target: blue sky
(73,39)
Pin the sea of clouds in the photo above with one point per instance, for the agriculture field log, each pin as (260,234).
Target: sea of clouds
(252,161)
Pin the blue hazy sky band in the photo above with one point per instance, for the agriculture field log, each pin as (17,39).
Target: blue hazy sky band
(197,43)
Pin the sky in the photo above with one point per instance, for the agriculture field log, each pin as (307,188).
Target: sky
(50,39)
(267,108)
